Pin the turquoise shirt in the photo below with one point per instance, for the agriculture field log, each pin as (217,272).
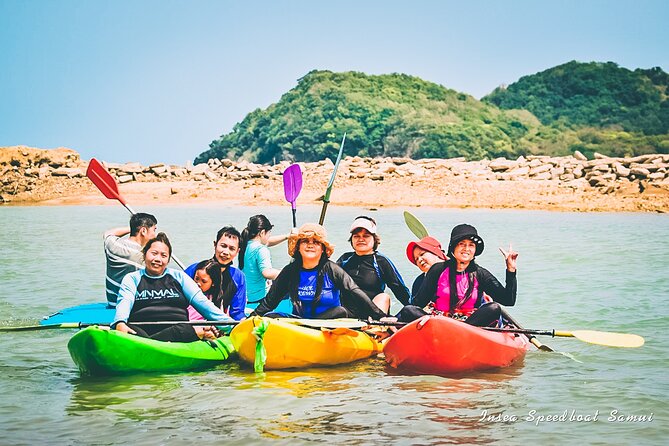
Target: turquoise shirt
(256,259)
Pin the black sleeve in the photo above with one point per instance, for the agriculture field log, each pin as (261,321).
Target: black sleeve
(394,280)
(352,297)
(275,295)
(491,286)
(428,289)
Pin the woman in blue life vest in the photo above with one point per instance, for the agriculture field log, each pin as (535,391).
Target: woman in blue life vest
(462,289)
(156,293)
(317,287)
(369,269)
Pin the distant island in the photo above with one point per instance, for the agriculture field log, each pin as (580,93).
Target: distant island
(589,107)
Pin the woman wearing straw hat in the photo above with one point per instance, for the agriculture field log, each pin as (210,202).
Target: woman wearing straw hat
(317,287)
(457,286)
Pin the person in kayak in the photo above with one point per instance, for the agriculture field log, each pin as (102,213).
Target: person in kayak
(124,255)
(456,287)
(424,253)
(156,293)
(254,256)
(208,278)
(317,286)
(233,282)
(368,268)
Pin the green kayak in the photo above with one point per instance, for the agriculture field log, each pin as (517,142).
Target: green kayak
(98,351)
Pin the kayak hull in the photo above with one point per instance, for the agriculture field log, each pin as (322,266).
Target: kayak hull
(293,346)
(98,351)
(441,345)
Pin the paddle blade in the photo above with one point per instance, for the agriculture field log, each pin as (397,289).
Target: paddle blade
(415,225)
(608,339)
(292,183)
(336,166)
(103,180)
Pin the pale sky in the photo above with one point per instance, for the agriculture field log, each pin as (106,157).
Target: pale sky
(157,81)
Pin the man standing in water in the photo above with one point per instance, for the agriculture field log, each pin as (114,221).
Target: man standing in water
(124,255)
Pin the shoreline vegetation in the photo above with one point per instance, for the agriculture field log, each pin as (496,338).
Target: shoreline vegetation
(31,176)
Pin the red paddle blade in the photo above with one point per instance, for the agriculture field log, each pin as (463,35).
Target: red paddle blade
(292,183)
(103,180)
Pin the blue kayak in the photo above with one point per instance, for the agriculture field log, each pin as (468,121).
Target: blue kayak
(97,313)
(102,314)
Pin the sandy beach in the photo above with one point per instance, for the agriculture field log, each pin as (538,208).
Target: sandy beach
(459,184)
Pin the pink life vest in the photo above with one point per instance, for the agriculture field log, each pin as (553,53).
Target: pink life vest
(443,301)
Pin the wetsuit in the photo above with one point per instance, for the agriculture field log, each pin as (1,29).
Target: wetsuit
(437,285)
(323,293)
(372,272)
(145,298)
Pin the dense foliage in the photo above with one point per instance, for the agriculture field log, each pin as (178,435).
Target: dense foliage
(388,115)
(592,94)
(587,107)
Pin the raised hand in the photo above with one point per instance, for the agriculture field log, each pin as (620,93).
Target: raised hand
(510,257)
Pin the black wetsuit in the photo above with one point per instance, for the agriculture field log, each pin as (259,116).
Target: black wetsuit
(372,272)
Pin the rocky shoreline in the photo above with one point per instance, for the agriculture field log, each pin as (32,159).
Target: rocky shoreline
(573,183)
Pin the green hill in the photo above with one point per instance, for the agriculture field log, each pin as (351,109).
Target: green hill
(593,94)
(576,106)
(387,115)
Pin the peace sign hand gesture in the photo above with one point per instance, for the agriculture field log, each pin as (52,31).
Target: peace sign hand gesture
(510,257)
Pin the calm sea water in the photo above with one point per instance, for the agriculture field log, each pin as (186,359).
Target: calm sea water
(576,271)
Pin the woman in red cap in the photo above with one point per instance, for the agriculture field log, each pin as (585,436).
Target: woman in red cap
(369,269)
(424,253)
(457,286)
(317,287)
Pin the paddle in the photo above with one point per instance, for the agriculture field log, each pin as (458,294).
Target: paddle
(531,338)
(97,173)
(606,338)
(315,323)
(76,325)
(590,336)
(292,185)
(415,225)
(326,197)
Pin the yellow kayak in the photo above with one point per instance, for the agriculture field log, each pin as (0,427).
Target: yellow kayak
(290,345)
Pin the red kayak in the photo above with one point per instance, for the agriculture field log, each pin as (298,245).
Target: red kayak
(439,345)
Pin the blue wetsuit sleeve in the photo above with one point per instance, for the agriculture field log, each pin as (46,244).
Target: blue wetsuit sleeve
(126,297)
(197,298)
(238,302)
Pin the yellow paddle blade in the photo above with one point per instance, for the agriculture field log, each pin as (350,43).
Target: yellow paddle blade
(605,338)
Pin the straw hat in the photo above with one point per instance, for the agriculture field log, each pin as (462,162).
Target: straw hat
(307,231)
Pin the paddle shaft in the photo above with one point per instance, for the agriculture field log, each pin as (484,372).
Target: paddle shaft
(328,190)
(529,337)
(103,180)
